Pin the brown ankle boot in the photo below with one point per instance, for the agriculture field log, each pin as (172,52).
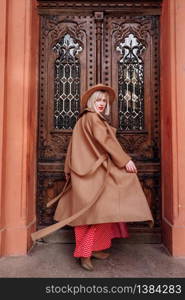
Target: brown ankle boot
(100,254)
(86,263)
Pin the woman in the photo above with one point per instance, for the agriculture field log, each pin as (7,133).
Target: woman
(102,190)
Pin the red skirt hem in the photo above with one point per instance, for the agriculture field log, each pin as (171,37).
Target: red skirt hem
(97,237)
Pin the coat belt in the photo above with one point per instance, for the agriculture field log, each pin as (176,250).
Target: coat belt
(48,230)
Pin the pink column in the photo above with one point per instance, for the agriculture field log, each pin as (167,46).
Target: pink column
(19,36)
(173,124)
(3,24)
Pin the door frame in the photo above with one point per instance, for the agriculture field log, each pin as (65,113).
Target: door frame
(47,29)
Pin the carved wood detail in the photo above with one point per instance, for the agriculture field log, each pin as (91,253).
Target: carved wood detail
(49,185)
(93,4)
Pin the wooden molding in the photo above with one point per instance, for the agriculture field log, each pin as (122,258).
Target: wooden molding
(141,7)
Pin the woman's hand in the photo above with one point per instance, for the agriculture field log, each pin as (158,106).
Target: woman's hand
(130,167)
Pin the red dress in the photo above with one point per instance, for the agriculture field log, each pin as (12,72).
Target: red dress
(97,237)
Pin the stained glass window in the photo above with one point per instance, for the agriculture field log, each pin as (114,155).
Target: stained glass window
(131,84)
(66,83)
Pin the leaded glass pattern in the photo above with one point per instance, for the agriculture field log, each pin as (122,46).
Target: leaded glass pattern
(131,84)
(66,83)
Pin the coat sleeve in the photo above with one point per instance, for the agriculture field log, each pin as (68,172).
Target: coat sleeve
(66,164)
(106,138)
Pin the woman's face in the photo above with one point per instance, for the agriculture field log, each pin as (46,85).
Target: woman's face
(100,103)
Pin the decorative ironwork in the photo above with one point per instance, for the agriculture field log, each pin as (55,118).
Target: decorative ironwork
(67,83)
(131,84)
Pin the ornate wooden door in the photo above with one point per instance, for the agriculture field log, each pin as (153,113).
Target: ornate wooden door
(88,42)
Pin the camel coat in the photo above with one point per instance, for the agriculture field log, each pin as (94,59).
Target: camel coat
(99,189)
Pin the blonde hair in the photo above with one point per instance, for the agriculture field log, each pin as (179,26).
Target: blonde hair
(96,95)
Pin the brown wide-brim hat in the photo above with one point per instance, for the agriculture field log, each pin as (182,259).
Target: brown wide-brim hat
(95,88)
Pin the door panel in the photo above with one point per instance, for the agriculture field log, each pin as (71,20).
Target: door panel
(67,68)
(132,60)
(79,48)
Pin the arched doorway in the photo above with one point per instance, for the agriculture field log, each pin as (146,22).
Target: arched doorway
(114,43)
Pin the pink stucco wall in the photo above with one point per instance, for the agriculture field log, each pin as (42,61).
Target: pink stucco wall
(19,33)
